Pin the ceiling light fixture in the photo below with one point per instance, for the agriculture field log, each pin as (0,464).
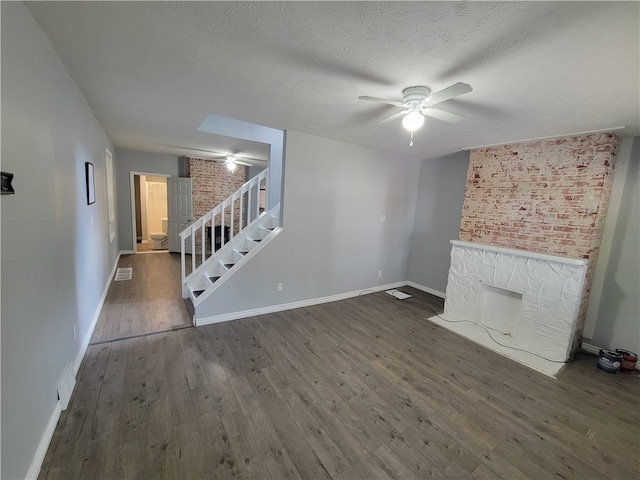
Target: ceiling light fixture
(412,121)
(231,163)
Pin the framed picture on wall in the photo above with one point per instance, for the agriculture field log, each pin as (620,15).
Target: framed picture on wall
(91,186)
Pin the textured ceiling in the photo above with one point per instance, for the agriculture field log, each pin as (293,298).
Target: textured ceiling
(152,71)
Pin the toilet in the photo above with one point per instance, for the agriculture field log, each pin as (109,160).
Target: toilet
(160,238)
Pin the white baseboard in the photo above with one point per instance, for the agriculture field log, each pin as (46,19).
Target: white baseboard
(87,338)
(437,293)
(590,348)
(43,446)
(225,317)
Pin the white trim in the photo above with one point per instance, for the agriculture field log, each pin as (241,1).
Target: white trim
(127,252)
(111,205)
(437,293)
(87,338)
(521,253)
(225,317)
(132,195)
(587,347)
(43,446)
(144,201)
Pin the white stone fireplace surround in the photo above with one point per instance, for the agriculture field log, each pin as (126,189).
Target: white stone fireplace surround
(525,300)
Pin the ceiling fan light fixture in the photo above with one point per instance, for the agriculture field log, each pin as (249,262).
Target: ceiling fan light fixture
(231,163)
(412,121)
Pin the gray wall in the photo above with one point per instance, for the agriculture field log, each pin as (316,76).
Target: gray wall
(618,321)
(253,171)
(128,161)
(56,255)
(438,212)
(333,241)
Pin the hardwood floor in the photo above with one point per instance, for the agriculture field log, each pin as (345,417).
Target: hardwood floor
(150,302)
(361,388)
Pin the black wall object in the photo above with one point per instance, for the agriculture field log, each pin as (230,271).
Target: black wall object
(6,188)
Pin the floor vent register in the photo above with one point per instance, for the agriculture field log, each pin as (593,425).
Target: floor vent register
(124,274)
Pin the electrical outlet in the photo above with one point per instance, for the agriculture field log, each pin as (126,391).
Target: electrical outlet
(379,273)
(279,287)
(75,332)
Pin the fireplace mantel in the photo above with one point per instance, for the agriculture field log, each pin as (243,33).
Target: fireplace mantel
(526,301)
(522,253)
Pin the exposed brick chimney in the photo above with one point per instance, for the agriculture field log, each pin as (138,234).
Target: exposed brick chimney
(548,196)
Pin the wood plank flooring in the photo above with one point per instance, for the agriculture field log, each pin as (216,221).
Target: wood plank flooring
(362,388)
(145,247)
(150,302)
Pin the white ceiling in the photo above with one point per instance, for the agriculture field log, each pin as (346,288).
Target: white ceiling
(152,71)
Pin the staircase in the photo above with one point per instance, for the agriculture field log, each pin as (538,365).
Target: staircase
(214,260)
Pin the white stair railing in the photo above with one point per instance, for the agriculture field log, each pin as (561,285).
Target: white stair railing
(237,212)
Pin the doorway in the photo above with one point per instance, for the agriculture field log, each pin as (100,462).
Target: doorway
(149,210)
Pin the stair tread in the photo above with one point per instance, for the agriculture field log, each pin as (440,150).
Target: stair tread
(213,279)
(243,252)
(228,265)
(197,293)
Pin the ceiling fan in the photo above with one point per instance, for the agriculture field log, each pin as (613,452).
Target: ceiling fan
(418,101)
(231,160)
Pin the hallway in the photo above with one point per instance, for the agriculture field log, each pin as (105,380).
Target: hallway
(150,302)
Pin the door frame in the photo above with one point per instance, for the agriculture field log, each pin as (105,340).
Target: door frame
(132,188)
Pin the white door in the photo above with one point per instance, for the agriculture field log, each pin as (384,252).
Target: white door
(179,210)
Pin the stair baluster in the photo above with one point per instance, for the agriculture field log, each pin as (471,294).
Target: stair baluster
(199,226)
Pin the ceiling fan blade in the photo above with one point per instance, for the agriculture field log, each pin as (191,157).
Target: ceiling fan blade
(258,160)
(213,155)
(395,103)
(193,149)
(449,92)
(442,115)
(392,117)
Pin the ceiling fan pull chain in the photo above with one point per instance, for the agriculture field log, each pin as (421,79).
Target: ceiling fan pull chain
(411,142)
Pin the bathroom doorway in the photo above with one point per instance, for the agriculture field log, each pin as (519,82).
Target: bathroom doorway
(149,212)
